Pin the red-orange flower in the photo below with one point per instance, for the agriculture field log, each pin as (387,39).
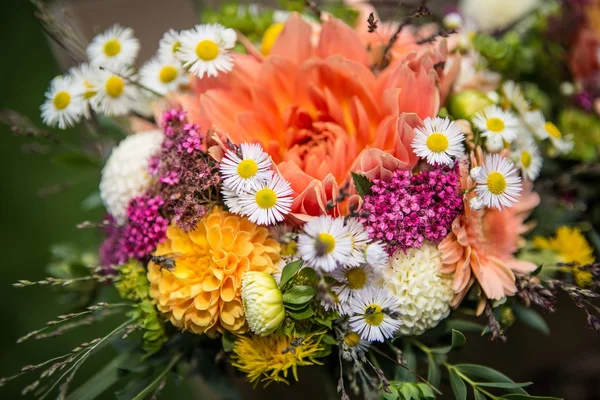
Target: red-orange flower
(321,112)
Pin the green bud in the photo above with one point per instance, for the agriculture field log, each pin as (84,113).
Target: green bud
(263,302)
(467,103)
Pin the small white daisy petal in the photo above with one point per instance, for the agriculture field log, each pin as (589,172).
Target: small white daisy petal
(376,256)
(115,48)
(325,243)
(162,75)
(84,76)
(372,314)
(494,143)
(352,280)
(498,185)
(512,92)
(535,123)
(117,94)
(495,121)
(527,157)
(205,49)
(241,174)
(268,202)
(353,346)
(360,239)
(64,103)
(476,204)
(232,201)
(563,144)
(169,44)
(439,141)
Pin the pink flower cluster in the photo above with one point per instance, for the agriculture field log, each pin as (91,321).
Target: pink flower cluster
(146,227)
(406,210)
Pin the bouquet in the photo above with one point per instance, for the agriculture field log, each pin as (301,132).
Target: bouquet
(321,187)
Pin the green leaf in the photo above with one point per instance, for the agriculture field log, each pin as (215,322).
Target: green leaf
(479,395)
(289,271)
(402,374)
(227,340)
(362,184)
(528,397)
(394,395)
(464,325)
(299,295)
(504,385)
(458,339)
(426,391)
(458,386)
(76,160)
(100,382)
(410,391)
(487,373)
(328,339)
(302,314)
(531,318)
(434,375)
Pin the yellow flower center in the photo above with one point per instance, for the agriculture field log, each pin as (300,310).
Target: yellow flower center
(525,159)
(266,198)
(269,38)
(114,86)
(176,47)
(374,315)
(552,130)
(90,90)
(288,249)
(61,100)
(247,169)
(327,242)
(207,50)
(495,124)
(167,74)
(437,142)
(351,339)
(112,47)
(496,183)
(356,278)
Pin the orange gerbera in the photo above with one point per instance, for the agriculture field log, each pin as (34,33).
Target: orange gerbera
(320,112)
(483,243)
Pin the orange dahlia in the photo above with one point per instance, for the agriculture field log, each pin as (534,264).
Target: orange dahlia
(320,111)
(202,293)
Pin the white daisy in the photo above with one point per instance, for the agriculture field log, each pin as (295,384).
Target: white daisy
(373,314)
(494,121)
(352,280)
(114,48)
(64,103)
(375,255)
(251,169)
(535,123)
(83,76)
(563,144)
(353,346)
(169,44)
(268,202)
(513,94)
(438,141)
(162,75)
(494,144)
(232,201)
(528,158)
(325,243)
(360,238)
(205,49)
(117,94)
(498,184)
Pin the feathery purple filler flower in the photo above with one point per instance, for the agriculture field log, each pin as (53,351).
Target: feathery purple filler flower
(407,209)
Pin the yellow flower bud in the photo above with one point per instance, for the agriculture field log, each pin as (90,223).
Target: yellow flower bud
(263,302)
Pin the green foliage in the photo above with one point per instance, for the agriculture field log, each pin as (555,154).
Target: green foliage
(289,272)
(252,22)
(362,184)
(467,103)
(399,390)
(132,283)
(585,128)
(531,318)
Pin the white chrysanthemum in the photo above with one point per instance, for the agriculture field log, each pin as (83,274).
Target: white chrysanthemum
(360,239)
(84,76)
(205,49)
(115,48)
(253,168)
(325,243)
(374,314)
(268,202)
(117,95)
(352,280)
(512,92)
(64,103)
(423,292)
(527,157)
(439,141)
(563,144)
(125,174)
(169,44)
(498,184)
(375,255)
(494,15)
(495,121)
(162,75)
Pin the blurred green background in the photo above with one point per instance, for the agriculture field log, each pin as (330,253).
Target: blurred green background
(565,363)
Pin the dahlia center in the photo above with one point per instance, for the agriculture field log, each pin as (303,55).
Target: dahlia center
(112,47)
(207,50)
(525,159)
(496,183)
(356,278)
(495,124)
(327,241)
(114,86)
(437,142)
(167,74)
(247,169)
(61,100)
(374,315)
(552,130)
(351,339)
(266,198)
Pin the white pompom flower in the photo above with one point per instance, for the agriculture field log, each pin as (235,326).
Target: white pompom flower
(125,174)
(423,293)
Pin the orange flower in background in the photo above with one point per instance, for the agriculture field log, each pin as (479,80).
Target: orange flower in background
(320,112)
(202,293)
(483,243)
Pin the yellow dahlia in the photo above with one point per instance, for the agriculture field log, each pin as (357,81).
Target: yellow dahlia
(202,293)
(271,357)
